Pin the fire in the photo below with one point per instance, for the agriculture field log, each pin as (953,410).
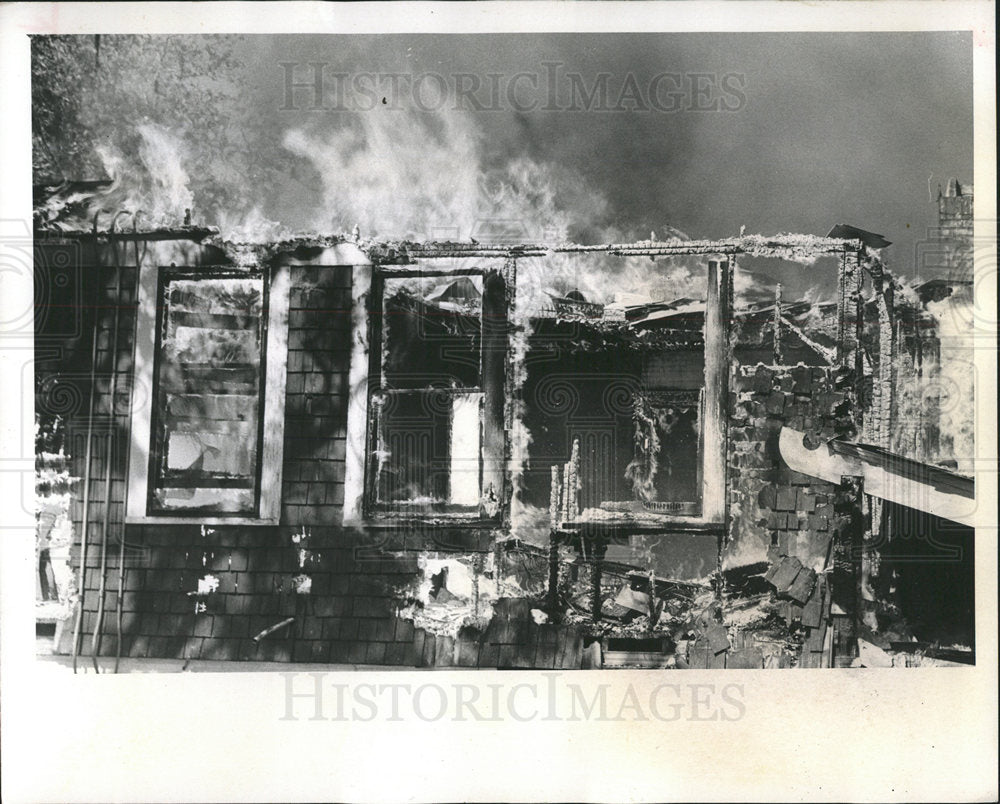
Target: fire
(935,393)
(159,190)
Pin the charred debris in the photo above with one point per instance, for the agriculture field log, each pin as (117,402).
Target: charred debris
(661,554)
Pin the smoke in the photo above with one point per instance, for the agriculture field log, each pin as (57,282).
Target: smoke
(956,378)
(157,185)
(393,178)
(431,176)
(935,380)
(160,154)
(747,288)
(250,227)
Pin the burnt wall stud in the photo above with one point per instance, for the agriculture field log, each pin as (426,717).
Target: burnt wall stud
(718,317)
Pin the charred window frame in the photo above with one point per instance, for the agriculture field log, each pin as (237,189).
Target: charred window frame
(669,423)
(207,441)
(695,403)
(438,470)
(713,404)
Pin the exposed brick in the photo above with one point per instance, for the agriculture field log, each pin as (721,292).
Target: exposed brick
(763,379)
(799,479)
(785,500)
(804,501)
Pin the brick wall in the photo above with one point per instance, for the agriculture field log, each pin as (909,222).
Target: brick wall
(774,511)
(955,231)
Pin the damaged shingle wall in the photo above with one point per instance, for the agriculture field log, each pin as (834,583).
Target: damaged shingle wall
(193,592)
(319,338)
(754,591)
(347,615)
(340,586)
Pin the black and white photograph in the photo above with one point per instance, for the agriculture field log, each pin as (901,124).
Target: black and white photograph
(368,356)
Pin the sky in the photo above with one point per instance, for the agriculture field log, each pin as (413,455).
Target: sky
(820,128)
(594,138)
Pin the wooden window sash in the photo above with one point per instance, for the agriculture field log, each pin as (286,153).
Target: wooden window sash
(494,358)
(271,412)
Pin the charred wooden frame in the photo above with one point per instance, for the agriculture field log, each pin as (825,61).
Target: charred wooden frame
(372,264)
(159,471)
(495,313)
(271,412)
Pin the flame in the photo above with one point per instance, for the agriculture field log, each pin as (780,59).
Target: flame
(160,153)
(395,176)
(956,377)
(935,398)
(429,176)
(251,227)
(158,186)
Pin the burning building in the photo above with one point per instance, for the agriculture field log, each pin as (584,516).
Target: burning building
(330,449)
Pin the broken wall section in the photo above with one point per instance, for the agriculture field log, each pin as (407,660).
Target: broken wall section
(784,527)
(774,511)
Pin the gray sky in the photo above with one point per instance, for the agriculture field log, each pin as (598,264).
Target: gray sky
(828,128)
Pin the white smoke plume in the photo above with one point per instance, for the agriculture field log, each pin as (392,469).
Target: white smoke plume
(429,176)
(956,378)
(158,187)
(935,393)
